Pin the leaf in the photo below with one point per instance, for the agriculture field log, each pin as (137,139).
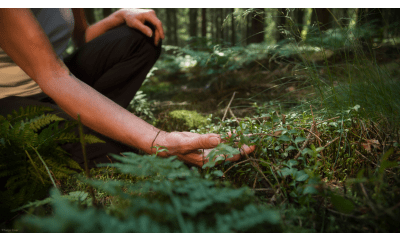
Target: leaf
(301,176)
(290,148)
(285,171)
(310,190)
(218,173)
(342,204)
(299,139)
(284,138)
(292,163)
(385,163)
(319,149)
(307,151)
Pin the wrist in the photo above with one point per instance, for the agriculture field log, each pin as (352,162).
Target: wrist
(160,142)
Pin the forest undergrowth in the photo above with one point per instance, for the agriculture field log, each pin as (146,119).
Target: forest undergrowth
(324,122)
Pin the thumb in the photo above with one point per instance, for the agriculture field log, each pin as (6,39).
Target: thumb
(206,141)
(143,28)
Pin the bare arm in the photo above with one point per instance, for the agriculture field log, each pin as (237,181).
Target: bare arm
(23,39)
(25,42)
(134,18)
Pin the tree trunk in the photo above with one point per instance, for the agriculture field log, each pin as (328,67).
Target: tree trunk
(193,22)
(175,27)
(248,29)
(89,13)
(233,28)
(171,23)
(281,22)
(298,18)
(213,37)
(257,26)
(221,22)
(217,26)
(204,22)
(106,12)
(322,17)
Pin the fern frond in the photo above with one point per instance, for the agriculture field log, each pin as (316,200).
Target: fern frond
(27,113)
(89,139)
(43,120)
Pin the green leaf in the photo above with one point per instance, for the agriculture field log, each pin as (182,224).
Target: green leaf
(218,173)
(310,190)
(307,151)
(342,204)
(385,163)
(292,163)
(290,148)
(299,139)
(284,138)
(301,176)
(319,149)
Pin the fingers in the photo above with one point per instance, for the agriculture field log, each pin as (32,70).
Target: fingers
(205,141)
(143,28)
(159,31)
(199,158)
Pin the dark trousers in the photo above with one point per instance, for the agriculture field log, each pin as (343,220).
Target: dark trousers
(115,64)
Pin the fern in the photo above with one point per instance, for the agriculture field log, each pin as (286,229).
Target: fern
(26,136)
(172,198)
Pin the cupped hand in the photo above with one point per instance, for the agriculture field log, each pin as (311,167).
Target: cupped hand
(136,18)
(193,148)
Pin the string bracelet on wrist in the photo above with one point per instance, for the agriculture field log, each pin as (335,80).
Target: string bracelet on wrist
(151,149)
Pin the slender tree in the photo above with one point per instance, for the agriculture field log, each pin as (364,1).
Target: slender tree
(193,22)
(257,26)
(280,22)
(204,22)
(89,13)
(322,17)
(233,37)
(107,12)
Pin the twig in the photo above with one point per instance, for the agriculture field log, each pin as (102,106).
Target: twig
(257,167)
(329,143)
(263,189)
(256,118)
(233,115)
(344,214)
(368,201)
(309,132)
(372,161)
(327,120)
(255,181)
(306,142)
(226,110)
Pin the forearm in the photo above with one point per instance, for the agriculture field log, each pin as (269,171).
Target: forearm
(114,20)
(98,112)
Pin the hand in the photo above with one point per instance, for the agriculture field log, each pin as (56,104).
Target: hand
(135,18)
(193,148)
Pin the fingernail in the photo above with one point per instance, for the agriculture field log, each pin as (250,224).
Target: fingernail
(214,141)
(151,34)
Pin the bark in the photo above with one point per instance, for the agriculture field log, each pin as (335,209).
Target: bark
(89,13)
(280,22)
(233,28)
(257,26)
(322,17)
(106,12)
(204,22)
(193,22)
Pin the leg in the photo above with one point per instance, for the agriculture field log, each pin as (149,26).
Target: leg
(116,63)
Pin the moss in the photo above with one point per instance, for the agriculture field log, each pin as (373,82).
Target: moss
(191,119)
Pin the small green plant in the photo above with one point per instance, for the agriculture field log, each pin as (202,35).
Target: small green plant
(31,158)
(173,198)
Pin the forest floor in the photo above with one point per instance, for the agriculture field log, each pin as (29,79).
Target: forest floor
(321,173)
